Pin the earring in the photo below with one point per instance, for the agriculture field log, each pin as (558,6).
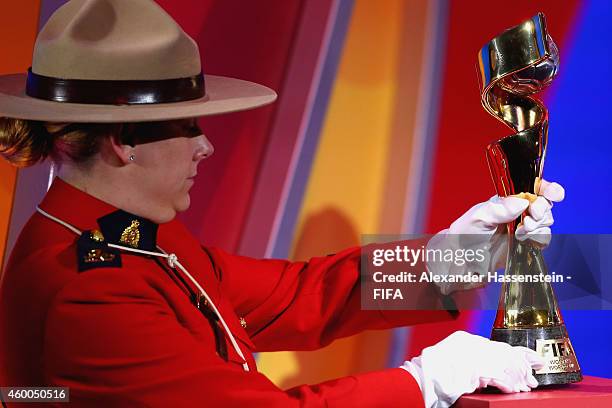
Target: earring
(132,157)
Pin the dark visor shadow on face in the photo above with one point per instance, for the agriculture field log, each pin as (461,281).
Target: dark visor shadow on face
(149,132)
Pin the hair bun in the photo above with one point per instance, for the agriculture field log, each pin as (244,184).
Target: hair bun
(24,143)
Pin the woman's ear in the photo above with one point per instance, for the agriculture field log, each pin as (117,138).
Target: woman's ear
(123,152)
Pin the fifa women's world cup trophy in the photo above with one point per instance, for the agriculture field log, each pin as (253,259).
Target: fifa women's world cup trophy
(514,66)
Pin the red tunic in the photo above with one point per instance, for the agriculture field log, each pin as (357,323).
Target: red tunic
(130,335)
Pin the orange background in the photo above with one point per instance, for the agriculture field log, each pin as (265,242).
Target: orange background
(19,23)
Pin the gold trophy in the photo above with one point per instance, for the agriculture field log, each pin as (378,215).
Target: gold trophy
(514,66)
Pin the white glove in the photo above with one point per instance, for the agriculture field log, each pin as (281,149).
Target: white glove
(463,362)
(485,218)
(540,217)
(483,226)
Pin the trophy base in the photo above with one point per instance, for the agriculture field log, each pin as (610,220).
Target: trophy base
(552,343)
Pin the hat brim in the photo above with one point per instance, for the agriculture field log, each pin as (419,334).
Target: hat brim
(223,95)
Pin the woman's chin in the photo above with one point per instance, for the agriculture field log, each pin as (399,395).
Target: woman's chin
(183,204)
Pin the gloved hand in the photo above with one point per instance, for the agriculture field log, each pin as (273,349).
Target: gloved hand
(540,218)
(483,226)
(463,362)
(486,218)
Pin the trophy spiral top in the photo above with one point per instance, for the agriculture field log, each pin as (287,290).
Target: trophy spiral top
(517,63)
(514,66)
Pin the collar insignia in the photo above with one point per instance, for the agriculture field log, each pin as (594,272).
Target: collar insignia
(123,228)
(120,228)
(131,236)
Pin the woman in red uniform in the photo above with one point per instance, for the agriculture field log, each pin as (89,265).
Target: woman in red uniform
(107,294)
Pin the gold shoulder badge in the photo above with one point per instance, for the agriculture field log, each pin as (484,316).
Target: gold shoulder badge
(97,236)
(92,252)
(131,235)
(97,255)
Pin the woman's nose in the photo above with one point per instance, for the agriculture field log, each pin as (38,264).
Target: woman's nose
(204,148)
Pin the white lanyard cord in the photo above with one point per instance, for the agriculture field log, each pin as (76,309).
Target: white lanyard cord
(173,262)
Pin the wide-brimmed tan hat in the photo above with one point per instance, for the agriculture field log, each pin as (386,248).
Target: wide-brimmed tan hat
(120,61)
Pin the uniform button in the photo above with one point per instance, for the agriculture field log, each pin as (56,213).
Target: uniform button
(243,323)
(201,302)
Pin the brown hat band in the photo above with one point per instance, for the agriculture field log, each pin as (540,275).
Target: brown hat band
(115,92)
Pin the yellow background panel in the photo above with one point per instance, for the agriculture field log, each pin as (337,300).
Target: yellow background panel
(346,186)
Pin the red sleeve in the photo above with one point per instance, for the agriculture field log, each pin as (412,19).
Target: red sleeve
(121,345)
(307,305)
